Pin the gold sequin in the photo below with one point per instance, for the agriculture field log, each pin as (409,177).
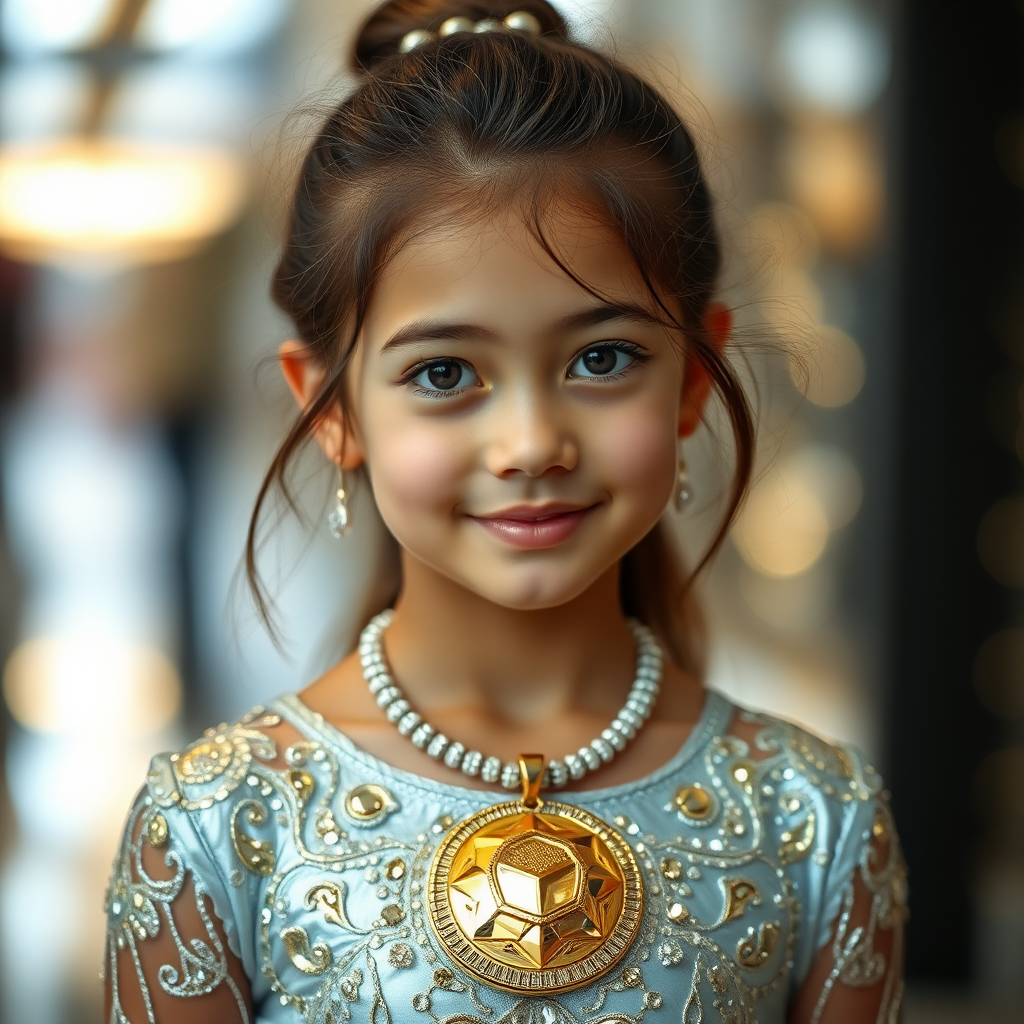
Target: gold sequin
(156,831)
(743,773)
(797,841)
(302,783)
(395,869)
(693,802)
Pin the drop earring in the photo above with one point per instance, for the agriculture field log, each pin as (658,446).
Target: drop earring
(684,488)
(338,518)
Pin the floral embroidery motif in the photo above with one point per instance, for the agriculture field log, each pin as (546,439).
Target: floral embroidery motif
(722,910)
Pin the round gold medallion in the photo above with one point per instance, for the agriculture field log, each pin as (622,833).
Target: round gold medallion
(534,896)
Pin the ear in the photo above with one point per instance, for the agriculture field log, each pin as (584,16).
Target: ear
(304,375)
(696,385)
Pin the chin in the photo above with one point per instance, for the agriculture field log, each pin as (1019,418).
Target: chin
(534,594)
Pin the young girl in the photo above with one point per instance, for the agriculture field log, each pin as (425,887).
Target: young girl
(501,266)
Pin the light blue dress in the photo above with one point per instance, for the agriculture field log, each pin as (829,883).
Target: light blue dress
(318,870)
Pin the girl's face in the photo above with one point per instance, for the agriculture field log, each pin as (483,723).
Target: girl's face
(520,433)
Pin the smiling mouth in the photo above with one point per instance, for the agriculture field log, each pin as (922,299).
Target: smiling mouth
(542,526)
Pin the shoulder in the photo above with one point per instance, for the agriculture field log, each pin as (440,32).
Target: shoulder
(825,814)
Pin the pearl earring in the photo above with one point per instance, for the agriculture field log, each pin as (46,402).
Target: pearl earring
(338,518)
(684,487)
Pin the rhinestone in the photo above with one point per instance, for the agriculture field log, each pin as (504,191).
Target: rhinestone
(671,868)
(677,913)
(576,765)
(395,869)
(591,757)
(490,771)
(471,763)
(392,914)
(603,748)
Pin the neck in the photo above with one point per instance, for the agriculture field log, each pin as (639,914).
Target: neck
(450,648)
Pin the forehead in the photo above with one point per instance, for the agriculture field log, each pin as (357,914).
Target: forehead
(497,267)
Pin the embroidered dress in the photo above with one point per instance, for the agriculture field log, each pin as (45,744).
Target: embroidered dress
(317,866)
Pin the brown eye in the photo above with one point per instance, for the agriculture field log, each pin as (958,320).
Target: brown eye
(444,376)
(599,360)
(602,360)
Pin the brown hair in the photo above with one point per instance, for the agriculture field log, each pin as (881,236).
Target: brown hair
(479,122)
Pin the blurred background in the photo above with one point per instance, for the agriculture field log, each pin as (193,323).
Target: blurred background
(869,160)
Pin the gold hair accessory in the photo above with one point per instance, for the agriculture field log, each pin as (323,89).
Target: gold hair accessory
(517,21)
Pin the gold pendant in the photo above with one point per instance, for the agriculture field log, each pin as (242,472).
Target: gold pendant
(535,896)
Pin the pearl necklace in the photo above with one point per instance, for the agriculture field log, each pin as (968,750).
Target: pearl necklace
(423,735)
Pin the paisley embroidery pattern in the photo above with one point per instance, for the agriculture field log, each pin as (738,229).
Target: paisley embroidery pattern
(320,839)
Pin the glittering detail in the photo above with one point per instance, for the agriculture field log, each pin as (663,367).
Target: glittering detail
(527,899)
(139,906)
(857,962)
(341,929)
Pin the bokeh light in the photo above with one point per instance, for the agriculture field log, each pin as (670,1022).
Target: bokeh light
(999,673)
(833,57)
(783,528)
(91,684)
(1001,542)
(828,367)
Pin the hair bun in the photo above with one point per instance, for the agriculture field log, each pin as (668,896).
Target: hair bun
(383,30)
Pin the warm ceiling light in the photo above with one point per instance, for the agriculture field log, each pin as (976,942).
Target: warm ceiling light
(127,201)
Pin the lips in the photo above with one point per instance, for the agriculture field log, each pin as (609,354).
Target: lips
(535,526)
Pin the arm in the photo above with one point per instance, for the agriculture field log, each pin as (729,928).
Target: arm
(857,977)
(167,957)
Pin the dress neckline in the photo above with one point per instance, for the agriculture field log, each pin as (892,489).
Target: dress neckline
(714,717)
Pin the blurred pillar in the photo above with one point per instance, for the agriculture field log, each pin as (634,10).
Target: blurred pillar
(962,224)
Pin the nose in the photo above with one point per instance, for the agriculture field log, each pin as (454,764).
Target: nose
(530,438)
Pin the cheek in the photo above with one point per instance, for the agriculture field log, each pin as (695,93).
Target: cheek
(640,450)
(414,467)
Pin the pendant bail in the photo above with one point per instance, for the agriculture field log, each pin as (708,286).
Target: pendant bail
(531,771)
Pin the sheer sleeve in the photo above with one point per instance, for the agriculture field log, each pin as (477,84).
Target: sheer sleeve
(857,974)
(172,936)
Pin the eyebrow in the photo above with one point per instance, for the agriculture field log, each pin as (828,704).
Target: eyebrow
(449,330)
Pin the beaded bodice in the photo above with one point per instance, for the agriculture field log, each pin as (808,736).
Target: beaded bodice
(317,867)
